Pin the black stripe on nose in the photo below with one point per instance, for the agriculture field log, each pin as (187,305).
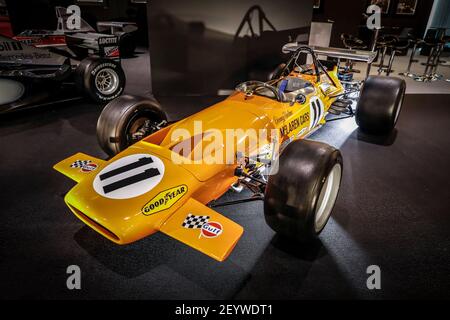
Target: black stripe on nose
(141,162)
(147,174)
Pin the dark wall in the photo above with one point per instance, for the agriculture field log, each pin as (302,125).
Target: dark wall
(40,14)
(5,25)
(346,15)
(349,18)
(195,48)
(418,21)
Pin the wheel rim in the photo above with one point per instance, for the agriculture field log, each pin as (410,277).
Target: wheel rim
(327,197)
(107,81)
(397,112)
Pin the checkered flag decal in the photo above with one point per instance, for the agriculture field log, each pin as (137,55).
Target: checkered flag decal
(194,222)
(80,163)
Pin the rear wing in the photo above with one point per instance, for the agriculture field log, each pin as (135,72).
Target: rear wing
(106,46)
(339,53)
(109,47)
(113,27)
(336,53)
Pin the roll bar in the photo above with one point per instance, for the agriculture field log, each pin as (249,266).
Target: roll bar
(297,50)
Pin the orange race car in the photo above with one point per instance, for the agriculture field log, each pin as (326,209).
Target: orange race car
(168,177)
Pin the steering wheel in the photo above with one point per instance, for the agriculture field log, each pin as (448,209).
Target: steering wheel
(258,85)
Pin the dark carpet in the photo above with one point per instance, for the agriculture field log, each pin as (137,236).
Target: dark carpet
(392,211)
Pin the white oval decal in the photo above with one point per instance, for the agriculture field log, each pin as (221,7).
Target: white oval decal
(316,111)
(129,177)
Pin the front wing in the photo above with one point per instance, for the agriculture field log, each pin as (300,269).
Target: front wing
(204,229)
(194,224)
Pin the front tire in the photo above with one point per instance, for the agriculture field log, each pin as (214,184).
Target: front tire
(299,198)
(126,120)
(101,79)
(379,104)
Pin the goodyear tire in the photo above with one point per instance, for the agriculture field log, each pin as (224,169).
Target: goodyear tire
(379,104)
(126,120)
(299,198)
(101,79)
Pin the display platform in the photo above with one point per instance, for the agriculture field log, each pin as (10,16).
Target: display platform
(392,211)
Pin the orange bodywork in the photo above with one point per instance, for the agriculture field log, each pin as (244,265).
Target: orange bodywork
(184,188)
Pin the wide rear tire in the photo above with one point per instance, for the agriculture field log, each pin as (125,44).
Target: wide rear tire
(379,104)
(124,118)
(299,198)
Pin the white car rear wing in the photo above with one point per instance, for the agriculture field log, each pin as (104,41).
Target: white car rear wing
(337,53)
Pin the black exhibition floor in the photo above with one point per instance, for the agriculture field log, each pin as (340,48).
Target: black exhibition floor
(392,211)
